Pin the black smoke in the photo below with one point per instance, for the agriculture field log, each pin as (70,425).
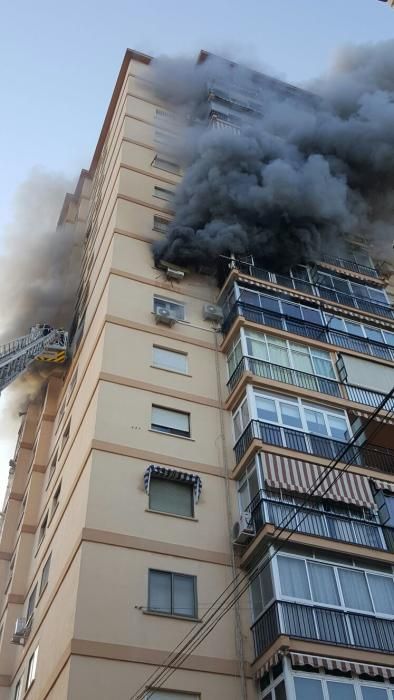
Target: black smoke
(310,172)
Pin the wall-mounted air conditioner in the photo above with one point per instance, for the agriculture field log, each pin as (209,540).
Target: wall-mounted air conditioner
(212,312)
(165,316)
(243,530)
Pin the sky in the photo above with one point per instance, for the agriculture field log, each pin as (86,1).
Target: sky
(59,62)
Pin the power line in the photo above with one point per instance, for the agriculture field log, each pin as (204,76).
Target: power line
(179,655)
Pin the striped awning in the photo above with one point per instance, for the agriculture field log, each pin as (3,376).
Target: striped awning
(341,665)
(381,418)
(272,661)
(385,485)
(173,475)
(294,475)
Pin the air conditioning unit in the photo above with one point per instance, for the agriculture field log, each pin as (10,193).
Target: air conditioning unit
(165,316)
(20,632)
(212,312)
(243,530)
(173,274)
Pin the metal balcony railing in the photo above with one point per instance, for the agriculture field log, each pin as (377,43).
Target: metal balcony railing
(308,330)
(371,456)
(311,382)
(323,625)
(316,289)
(350,265)
(311,521)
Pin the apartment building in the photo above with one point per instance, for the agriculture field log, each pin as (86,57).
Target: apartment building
(199,423)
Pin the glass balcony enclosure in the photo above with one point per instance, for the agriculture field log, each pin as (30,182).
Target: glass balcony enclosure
(309,598)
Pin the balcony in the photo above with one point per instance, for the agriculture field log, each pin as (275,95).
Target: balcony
(325,625)
(317,290)
(370,456)
(307,329)
(310,382)
(311,521)
(350,265)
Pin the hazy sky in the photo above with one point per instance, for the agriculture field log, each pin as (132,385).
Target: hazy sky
(59,62)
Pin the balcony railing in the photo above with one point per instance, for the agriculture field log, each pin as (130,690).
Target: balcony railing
(307,329)
(316,289)
(379,459)
(350,265)
(367,533)
(323,625)
(311,382)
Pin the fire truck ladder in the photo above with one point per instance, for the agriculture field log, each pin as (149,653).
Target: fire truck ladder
(42,343)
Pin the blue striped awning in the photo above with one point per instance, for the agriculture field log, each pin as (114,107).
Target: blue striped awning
(173,475)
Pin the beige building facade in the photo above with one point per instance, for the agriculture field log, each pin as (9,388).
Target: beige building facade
(167,428)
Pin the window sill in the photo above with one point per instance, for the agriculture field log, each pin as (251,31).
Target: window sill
(172,515)
(173,371)
(171,617)
(173,435)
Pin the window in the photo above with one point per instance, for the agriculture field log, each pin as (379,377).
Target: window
(31,603)
(72,384)
(43,528)
(159,224)
(61,412)
(66,434)
(177,309)
(163,193)
(262,591)
(171,497)
(52,468)
(56,498)
(170,359)
(18,690)
(172,594)
(166,420)
(164,164)
(317,687)
(45,576)
(31,669)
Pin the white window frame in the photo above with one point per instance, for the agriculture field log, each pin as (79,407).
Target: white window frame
(168,303)
(356,682)
(31,669)
(180,353)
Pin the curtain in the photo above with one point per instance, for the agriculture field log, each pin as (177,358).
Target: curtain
(323,584)
(293,578)
(184,603)
(355,589)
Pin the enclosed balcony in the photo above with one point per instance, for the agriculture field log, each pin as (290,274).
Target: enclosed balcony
(322,624)
(370,456)
(325,331)
(272,509)
(310,382)
(324,286)
(351,265)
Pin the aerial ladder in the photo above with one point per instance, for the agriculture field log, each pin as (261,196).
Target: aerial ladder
(43,343)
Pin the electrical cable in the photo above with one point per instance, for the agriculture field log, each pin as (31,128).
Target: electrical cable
(210,623)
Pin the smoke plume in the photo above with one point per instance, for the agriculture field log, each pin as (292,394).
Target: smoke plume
(305,173)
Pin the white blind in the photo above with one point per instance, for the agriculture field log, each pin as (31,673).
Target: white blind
(170,419)
(169,359)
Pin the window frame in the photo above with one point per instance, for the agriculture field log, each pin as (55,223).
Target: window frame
(18,689)
(31,604)
(158,162)
(356,683)
(173,574)
(43,529)
(180,353)
(171,304)
(189,486)
(31,669)
(163,193)
(44,576)
(157,220)
(157,428)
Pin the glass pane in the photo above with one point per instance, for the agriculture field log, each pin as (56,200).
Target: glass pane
(169,359)
(302,361)
(280,692)
(257,600)
(160,591)
(173,420)
(292,310)
(293,578)
(278,355)
(308,688)
(377,295)
(249,297)
(374,334)
(371,693)
(315,422)
(323,584)
(257,347)
(354,328)
(338,427)
(340,691)
(355,590)
(171,497)
(290,415)
(266,584)
(382,589)
(266,409)
(335,323)
(183,603)
(269,303)
(389,337)
(244,495)
(311,315)
(253,484)
(237,425)
(245,414)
